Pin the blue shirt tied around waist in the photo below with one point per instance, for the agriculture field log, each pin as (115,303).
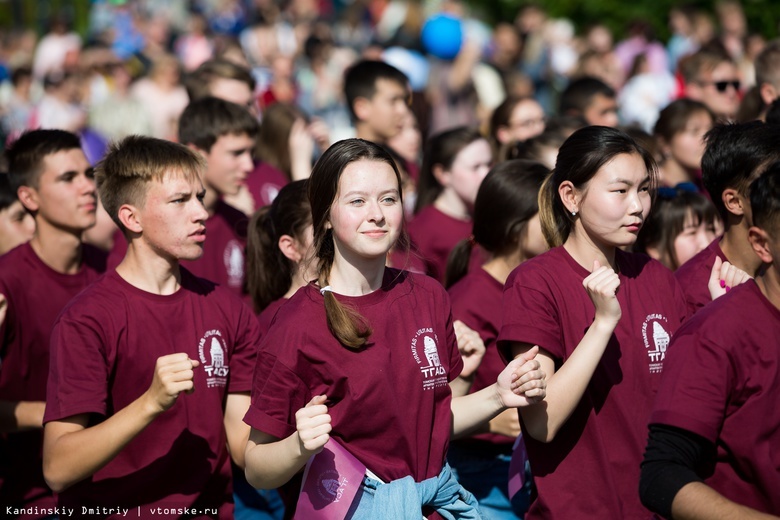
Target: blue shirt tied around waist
(394,500)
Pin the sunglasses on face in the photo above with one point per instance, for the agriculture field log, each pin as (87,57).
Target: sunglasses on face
(722,86)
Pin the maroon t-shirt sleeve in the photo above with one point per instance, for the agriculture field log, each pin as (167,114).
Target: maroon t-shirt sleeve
(456,361)
(277,394)
(693,394)
(529,316)
(78,369)
(242,362)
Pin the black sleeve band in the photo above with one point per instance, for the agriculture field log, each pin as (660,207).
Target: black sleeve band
(674,457)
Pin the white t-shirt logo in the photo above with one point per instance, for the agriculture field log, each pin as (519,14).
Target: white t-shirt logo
(656,339)
(212,351)
(433,373)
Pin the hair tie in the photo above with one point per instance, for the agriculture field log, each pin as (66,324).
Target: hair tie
(325,289)
(472,240)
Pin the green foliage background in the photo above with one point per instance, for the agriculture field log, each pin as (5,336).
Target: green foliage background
(763,16)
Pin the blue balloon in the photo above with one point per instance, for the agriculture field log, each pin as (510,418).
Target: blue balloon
(442,36)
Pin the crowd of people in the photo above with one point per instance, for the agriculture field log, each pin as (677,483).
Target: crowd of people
(382,260)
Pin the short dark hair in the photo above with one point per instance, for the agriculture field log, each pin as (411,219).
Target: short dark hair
(580,93)
(736,154)
(7,192)
(206,120)
(667,220)
(673,118)
(198,82)
(25,156)
(765,200)
(361,78)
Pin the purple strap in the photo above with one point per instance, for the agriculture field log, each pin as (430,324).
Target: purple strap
(517,467)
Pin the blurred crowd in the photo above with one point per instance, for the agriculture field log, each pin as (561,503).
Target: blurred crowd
(129,73)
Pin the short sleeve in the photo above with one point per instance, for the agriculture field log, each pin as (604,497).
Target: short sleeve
(530,315)
(277,394)
(242,361)
(695,386)
(456,361)
(78,368)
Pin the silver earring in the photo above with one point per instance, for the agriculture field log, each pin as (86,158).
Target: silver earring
(573,213)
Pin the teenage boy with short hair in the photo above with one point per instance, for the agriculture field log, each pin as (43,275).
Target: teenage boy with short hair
(223,133)
(54,182)
(736,154)
(120,429)
(591,99)
(715,428)
(378,96)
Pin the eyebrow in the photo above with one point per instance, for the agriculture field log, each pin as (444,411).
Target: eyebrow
(365,193)
(619,180)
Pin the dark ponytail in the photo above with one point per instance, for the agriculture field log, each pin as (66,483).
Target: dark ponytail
(506,201)
(269,272)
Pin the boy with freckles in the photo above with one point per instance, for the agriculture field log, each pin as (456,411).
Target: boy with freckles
(151,366)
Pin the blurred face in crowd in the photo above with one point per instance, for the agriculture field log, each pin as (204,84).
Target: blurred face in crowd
(687,146)
(719,89)
(16,227)
(383,115)
(601,111)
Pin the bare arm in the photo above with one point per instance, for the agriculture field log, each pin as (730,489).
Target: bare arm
(271,462)
(72,451)
(21,415)
(236,429)
(472,411)
(697,501)
(472,350)
(566,387)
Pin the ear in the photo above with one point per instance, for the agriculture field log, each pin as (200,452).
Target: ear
(441,175)
(28,196)
(129,217)
(289,248)
(362,108)
(693,91)
(570,196)
(733,201)
(759,241)
(768,93)
(503,135)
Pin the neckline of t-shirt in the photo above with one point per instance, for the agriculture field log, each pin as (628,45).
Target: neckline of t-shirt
(161,298)
(74,279)
(620,257)
(372,298)
(486,275)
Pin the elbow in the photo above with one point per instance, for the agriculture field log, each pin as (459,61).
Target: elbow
(543,433)
(54,478)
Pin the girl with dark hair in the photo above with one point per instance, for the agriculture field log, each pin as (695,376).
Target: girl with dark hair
(366,338)
(279,257)
(680,133)
(279,249)
(682,223)
(506,225)
(604,347)
(454,164)
(517,119)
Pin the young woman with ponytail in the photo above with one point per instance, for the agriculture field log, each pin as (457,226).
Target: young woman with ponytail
(363,356)
(602,320)
(506,226)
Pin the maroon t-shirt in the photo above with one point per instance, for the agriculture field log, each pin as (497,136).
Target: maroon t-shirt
(390,401)
(104,349)
(36,294)
(694,276)
(267,314)
(591,468)
(722,381)
(435,235)
(223,256)
(264,183)
(476,301)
